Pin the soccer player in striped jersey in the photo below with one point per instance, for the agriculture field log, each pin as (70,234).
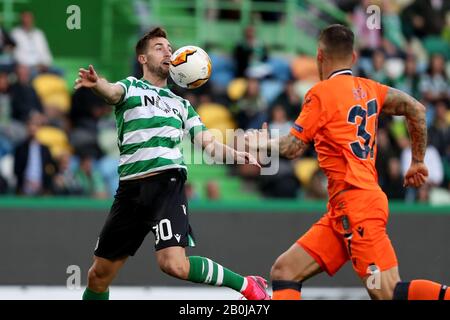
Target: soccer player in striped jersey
(151,122)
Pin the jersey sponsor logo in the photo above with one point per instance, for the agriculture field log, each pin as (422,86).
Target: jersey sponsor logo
(157,103)
(298,127)
(178,237)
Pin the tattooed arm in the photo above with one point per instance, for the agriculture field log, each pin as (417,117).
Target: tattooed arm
(287,146)
(400,104)
(291,147)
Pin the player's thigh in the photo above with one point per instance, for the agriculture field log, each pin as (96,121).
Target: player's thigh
(361,220)
(374,260)
(295,264)
(365,219)
(124,230)
(381,285)
(370,249)
(324,246)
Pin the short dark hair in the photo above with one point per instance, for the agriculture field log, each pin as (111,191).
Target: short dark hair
(142,44)
(338,40)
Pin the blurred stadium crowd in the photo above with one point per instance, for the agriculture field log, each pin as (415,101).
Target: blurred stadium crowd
(54,142)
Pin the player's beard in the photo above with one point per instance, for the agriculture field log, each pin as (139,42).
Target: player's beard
(158,71)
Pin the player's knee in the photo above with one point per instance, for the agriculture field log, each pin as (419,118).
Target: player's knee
(97,275)
(381,294)
(281,271)
(388,292)
(174,268)
(276,272)
(92,275)
(385,292)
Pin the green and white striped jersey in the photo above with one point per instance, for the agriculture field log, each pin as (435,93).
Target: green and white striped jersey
(151,123)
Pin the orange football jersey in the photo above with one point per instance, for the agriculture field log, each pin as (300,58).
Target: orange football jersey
(341,114)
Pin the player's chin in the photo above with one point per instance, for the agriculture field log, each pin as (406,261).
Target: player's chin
(163,72)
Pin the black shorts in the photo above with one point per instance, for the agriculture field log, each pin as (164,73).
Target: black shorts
(157,203)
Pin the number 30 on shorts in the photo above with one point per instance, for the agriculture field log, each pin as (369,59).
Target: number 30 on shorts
(163,230)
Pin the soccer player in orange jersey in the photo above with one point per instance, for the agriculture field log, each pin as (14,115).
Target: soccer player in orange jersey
(340,115)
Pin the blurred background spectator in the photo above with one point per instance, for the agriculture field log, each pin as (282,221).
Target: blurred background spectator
(423,18)
(409,80)
(90,181)
(7,46)
(434,83)
(24,97)
(86,111)
(212,190)
(65,182)
(251,109)
(31,46)
(34,166)
(250,53)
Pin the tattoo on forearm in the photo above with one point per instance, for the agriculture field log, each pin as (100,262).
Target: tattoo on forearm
(291,147)
(418,134)
(399,103)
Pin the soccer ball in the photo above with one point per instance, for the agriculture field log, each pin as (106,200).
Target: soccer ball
(190,67)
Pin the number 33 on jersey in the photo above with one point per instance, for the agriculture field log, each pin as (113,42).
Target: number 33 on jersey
(340,115)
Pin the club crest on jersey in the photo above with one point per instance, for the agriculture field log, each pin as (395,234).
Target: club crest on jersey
(359,93)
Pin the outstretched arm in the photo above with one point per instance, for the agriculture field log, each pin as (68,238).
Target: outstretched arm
(288,146)
(401,104)
(221,152)
(111,93)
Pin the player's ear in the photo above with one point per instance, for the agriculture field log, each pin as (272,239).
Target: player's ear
(142,59)
(319,54)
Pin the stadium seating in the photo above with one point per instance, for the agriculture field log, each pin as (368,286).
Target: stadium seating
(304,170)
(217,117)
(55,139)
(52,91)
